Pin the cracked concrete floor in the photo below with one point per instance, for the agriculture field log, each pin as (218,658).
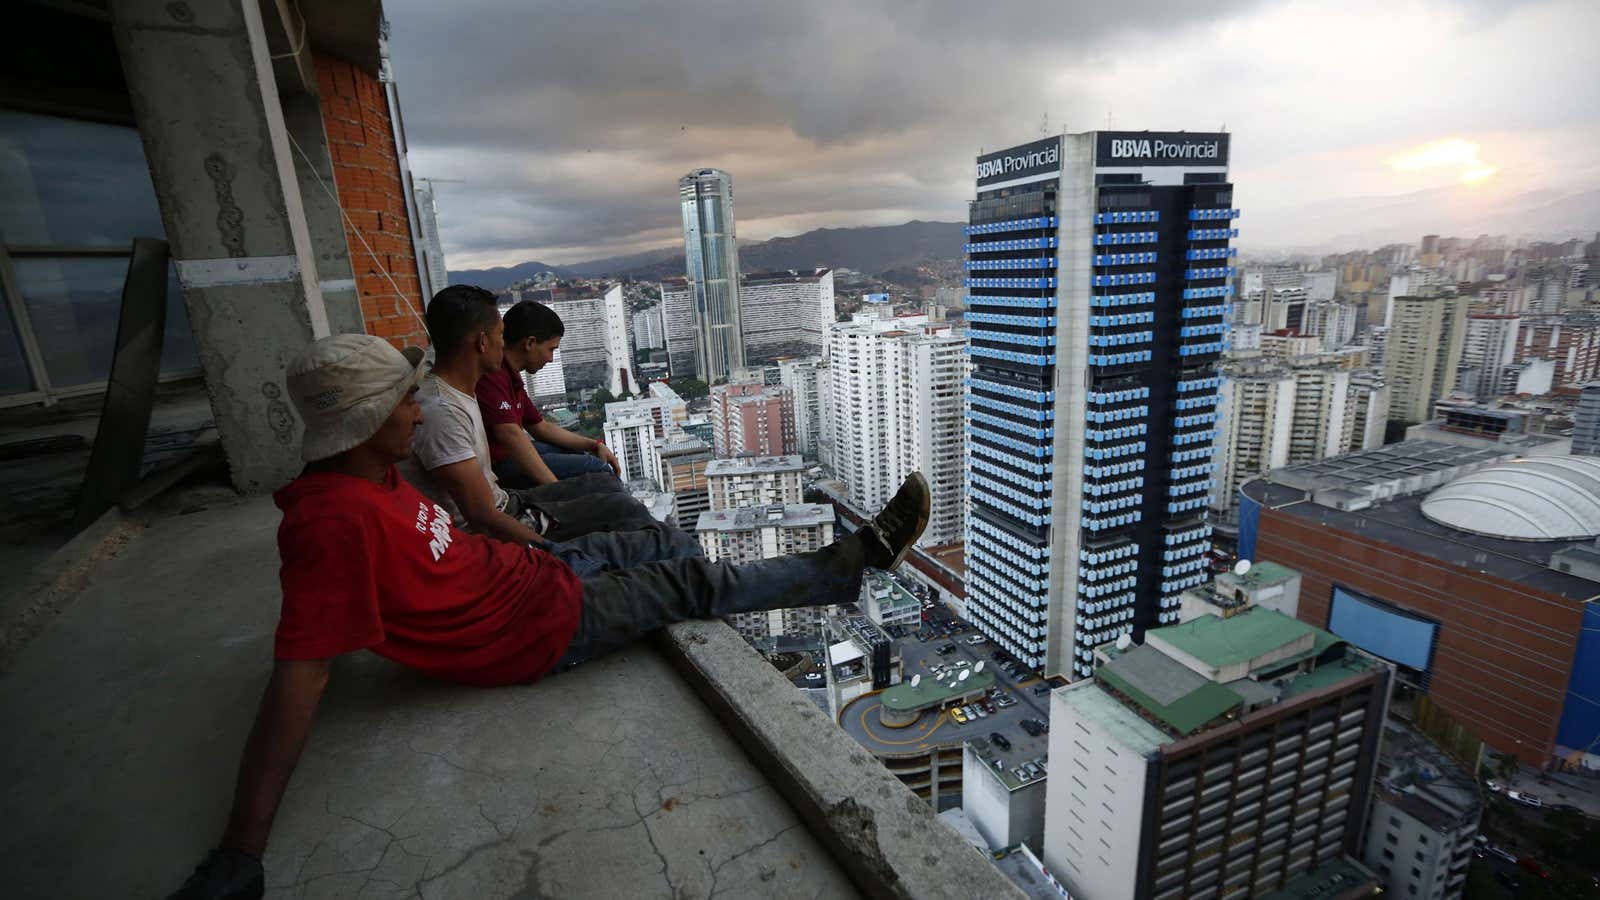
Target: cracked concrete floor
(123,723)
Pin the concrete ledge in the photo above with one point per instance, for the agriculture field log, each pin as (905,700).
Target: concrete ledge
(886,837)
(39,596)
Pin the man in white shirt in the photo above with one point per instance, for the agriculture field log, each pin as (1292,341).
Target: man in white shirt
(450,455)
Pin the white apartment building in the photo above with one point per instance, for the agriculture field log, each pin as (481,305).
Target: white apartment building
(597,348)
(896,396)
(1487,347)
(1256,413)
(754,481)
(753,533)
(1320,427)
(648,332)
(801,376)
(785,314)
(1369,411)
(630,434)
(667,412)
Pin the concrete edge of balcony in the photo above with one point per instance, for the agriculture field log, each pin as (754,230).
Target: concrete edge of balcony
(886,838)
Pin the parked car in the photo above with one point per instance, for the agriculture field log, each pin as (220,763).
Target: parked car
(958,716)
(975,639)
(978,708)
(1532,865)
(1042,687)
(999,740)
(1525,799)
(946,650)
(813,676)
(1030,727)
(1005,701)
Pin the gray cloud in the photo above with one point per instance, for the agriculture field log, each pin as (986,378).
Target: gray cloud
(570,122)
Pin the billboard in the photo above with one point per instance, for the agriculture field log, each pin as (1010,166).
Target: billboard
(1160,148)
(1383,630)
(1039,157)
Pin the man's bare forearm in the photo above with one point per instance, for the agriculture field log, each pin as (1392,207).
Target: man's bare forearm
(556,436)
(288,707)
(519,446)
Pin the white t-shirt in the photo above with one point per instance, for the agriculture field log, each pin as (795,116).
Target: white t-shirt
(451,431)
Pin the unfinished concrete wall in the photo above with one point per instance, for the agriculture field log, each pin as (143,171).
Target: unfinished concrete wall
(366,168)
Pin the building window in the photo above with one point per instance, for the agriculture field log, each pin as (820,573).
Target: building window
(1388,854)
(1392,838)
(1420,857)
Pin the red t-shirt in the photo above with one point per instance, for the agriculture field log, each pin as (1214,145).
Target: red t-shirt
(503,400)
(380,568)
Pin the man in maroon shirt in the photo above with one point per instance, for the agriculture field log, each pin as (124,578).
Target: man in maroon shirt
(527,449)
(369,563)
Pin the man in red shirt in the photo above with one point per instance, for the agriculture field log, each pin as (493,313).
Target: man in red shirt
(369,563)
(533,333)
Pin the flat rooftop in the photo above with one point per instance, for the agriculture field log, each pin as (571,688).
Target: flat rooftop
(1125,726)
(1399,521)
(745,518)
(931,691)
(1251,634)
(1418,776)
(755,465)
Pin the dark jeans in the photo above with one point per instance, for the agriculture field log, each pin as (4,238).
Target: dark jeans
(624,603)
(582,505)
(564,464)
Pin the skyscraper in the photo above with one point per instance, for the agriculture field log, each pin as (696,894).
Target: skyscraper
(1098,282)
(1421,353)
(711,258)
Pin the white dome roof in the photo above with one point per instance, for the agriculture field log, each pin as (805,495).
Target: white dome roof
(1545,498)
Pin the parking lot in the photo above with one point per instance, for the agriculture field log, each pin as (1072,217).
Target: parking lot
(920,655)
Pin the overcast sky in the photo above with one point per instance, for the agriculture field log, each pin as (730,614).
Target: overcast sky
(569,123)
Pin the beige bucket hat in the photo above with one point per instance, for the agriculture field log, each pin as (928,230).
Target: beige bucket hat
(345,386)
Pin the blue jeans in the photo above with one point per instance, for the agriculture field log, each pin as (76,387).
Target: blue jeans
(563,464)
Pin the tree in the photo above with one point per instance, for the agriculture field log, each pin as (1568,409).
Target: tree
(601,398)
(690,388)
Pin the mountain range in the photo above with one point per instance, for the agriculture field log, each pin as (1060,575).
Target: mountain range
(874,250)
(1323,227)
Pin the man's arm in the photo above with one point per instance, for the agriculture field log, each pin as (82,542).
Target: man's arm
(515,440)
(279,734)
(555,435)
(465,483)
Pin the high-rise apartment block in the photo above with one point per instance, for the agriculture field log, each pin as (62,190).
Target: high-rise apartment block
(711,257)
(754,419)
(681,460)
(666,410)
(630,433)
(597,348)
(895,387)
(648,331)
(1223,758)
(1425,813)
(752,533)
(677,323)
(754,481)
(1586,422)
(1421,353)
(1487,347)
(1369,411)
(785,314)
(1099,275)
(1570,341)
(802,376)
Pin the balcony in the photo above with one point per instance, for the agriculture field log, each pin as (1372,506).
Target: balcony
(686,766)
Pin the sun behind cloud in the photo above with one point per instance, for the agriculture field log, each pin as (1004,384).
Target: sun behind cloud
(1448,153)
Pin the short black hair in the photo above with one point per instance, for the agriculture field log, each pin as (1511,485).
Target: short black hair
(531,318)
(456,313)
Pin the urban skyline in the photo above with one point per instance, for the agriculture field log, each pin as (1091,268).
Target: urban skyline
(562,159)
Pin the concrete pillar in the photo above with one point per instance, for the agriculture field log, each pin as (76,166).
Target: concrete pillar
(201,81)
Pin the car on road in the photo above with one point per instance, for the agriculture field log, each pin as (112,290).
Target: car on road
(1525,798)
(975,639)
(1005,701)
(1042,687)
(1029,726)
(999,740)
(946,650)
(813,676)
(960,717)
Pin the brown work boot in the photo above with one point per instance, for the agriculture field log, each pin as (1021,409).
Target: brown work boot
(898,525)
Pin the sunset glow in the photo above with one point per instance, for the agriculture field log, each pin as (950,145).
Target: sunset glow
(1450,153)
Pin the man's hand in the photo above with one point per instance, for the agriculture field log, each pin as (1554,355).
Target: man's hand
(224,875)
(609,458)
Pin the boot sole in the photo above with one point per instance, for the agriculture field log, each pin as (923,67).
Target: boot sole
(922,525)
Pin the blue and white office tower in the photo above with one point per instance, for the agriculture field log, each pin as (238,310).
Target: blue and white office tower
(1098,269)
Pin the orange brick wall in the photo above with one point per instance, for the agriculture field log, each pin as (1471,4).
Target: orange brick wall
(366,170)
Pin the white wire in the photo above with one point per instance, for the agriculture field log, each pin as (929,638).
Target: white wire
(357,231)
(295,46)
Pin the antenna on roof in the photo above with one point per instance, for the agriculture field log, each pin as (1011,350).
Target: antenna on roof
(1044,125)
(1241,568)
(916,680)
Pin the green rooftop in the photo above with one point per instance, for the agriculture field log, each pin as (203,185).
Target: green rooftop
(1185,714)
(903,697)
(1219,642)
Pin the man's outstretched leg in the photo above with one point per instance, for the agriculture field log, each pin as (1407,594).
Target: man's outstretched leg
(620,606)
